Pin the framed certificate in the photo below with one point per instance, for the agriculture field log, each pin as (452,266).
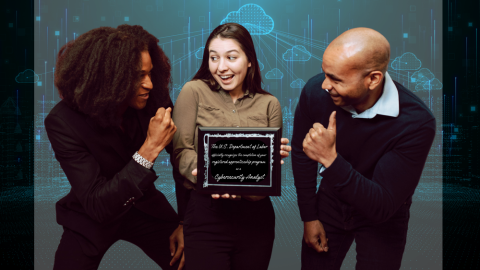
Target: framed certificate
(240,161)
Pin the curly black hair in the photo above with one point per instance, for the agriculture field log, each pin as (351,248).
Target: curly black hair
(100,71)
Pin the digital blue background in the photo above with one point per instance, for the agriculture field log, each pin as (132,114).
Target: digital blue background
(182,27)
(290,38)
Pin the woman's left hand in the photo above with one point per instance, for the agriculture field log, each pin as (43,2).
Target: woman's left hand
(284,149)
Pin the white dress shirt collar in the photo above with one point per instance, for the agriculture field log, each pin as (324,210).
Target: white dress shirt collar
(387,104)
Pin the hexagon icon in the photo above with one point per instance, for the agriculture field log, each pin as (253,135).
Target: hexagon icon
(274,74)
(408,61)
(27,76)
(252,17)
(297,53)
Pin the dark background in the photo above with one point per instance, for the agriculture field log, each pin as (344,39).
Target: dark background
(461,145)
(16,129)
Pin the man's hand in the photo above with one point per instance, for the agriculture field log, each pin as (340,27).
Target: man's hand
(312,232)
(319,143)
(284,149)
(177,237)
(160,133)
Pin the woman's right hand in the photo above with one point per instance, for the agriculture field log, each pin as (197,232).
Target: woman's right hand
(217,196)
(251,198)
(160,133)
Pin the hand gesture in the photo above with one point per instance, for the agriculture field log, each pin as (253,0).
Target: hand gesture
(160,133)
(319,143)
(313,231)
(284,149)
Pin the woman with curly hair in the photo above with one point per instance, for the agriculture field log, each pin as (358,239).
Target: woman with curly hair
(225,231)
(106,133)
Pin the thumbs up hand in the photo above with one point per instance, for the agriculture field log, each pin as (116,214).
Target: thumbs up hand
(319,143)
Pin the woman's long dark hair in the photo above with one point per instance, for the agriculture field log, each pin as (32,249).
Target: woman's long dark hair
(100,71)
(235,31)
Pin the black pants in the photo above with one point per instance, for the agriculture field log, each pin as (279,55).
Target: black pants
(225,234)
(378,247)
(148,233)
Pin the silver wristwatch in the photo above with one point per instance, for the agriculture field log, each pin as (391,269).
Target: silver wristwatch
(142,161)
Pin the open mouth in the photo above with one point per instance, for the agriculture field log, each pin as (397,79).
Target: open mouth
(145,96)
(227,78)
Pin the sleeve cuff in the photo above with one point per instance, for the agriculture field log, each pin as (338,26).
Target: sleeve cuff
(309,216)
(143,177)
(338,172)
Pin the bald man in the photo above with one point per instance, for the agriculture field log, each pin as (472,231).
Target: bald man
(368,137)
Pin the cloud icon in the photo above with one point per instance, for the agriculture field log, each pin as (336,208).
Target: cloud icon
(434,84)
(297,53)
(28,76)
(298,83)
(274,74)
(252,17)
(260,65)
(422,75)
(419,87)
(199,53)
(408,61)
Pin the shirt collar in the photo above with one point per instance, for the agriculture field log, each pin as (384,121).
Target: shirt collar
(387,104)
(227,95)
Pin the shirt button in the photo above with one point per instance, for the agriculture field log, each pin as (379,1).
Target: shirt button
(233,111)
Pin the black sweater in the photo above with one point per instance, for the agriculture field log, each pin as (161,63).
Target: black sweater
(379,162)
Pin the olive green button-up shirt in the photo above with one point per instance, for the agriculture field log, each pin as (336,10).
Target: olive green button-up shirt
(199,106)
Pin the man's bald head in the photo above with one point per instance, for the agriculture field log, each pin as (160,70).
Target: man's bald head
(362,48)
(354,65)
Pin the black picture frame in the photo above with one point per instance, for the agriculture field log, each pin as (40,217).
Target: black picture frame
(239,161)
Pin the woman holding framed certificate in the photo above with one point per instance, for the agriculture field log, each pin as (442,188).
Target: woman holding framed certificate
(225,231)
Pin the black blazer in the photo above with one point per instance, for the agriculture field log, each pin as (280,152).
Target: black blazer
(106,182)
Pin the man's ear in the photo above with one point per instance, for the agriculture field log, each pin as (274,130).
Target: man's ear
(375,78)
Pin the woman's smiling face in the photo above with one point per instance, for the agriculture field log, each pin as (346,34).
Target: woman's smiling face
(228,63)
